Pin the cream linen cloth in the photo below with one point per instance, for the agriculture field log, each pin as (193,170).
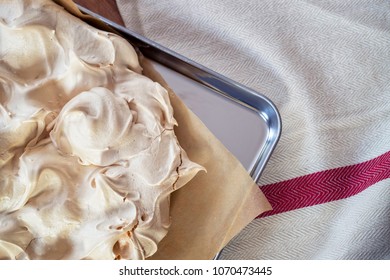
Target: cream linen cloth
(326,66)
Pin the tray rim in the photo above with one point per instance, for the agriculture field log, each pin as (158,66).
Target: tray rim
(223,85)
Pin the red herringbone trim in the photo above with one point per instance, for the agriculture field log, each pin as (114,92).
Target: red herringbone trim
(326,186)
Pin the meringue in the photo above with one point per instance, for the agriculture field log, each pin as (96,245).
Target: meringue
(88,152)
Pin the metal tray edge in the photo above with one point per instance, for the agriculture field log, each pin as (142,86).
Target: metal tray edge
(241,94)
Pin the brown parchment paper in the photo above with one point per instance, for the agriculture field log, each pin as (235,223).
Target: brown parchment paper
(213,207)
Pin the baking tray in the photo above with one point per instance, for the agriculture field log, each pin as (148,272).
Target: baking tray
(245,121)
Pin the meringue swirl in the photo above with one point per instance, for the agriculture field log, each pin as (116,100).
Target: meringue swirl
(88,152)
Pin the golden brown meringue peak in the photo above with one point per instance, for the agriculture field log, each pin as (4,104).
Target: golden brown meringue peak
(99,128)
(88,154)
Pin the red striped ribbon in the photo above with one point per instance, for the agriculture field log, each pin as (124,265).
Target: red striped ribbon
(326,186)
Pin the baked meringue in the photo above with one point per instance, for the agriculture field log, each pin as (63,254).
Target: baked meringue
(88,152)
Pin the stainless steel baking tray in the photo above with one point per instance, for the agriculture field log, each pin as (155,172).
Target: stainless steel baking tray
(245,121)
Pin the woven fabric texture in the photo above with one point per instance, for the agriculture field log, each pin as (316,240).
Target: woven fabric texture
(326,66)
